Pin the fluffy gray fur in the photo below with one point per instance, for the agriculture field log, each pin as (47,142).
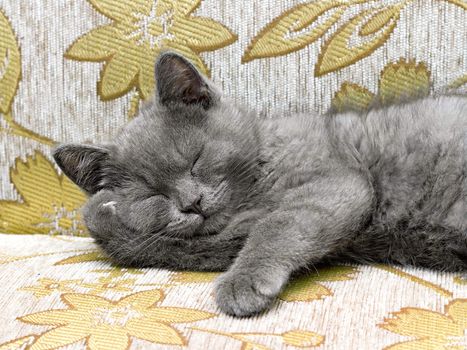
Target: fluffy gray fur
(196,182)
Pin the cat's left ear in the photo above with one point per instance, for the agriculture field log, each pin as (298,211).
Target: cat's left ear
(85,165)
(178,81)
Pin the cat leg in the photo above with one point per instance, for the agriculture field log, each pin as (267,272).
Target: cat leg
(312,221)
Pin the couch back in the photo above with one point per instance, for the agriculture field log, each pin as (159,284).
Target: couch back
(75,71)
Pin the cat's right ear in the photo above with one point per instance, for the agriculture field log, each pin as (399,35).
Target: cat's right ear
(83,164)
(179,82)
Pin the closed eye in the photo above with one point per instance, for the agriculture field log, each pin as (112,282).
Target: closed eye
(198,156)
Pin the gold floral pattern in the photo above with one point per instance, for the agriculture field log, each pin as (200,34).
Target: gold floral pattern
(404,79)
(297,338)
(309,288)
(461,81)
(103,306)
(194,277)
(401,80)
(10,76)
(140,30)
(400,273)
(352,97)
(105,324)
(18,344)
(296,29)
(109,284)
(47,286)
(343,33)
(308,22)
(51,210)
(10,64)
(115,272)
(82,258)
(432,330)
(302,339)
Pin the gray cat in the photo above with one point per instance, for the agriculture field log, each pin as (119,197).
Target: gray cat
(196,182)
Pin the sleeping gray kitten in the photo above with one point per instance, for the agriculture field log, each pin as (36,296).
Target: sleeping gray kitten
(196,182)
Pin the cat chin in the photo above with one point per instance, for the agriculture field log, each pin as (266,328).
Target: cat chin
(212,225)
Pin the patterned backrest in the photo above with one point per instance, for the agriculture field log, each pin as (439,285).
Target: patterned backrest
(76,71)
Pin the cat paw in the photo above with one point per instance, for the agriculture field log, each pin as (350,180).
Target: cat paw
(99,212)
(241,294)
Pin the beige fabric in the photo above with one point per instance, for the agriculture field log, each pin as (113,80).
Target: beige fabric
(341,308)
(58,100)
(77,70)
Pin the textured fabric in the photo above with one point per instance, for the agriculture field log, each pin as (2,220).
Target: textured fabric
(60,291)
(76,71)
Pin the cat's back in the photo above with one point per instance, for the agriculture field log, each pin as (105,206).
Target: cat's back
(417,156)
(430,122)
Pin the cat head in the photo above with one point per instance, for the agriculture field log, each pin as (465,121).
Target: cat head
(183,166)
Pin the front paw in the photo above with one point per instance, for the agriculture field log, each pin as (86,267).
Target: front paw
(99,213)
(244,294)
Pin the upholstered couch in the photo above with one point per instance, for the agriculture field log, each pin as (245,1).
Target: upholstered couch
(78,70)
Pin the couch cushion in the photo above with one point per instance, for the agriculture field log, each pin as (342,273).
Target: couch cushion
(59,291)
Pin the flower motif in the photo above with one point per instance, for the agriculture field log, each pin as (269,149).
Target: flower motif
(52,210)
(432,330)
(107,324)
(110,284)
(139,31)
(47,286)
(352,97)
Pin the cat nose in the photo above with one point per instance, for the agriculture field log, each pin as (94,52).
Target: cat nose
(194,208)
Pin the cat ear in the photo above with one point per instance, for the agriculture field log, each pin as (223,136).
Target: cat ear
(83,164)
(178,80)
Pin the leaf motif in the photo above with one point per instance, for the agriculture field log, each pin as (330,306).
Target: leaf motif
(308,288)
(460,3)
(379,20)
(302,339)
(336,52)
(420,323)
(88,257)
(10,64)
(286,33)
(55,210)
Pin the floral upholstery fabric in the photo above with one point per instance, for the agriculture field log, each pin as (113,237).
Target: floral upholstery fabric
(59,291)
(76,71)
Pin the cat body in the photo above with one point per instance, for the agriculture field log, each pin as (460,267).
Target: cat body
(196,182)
